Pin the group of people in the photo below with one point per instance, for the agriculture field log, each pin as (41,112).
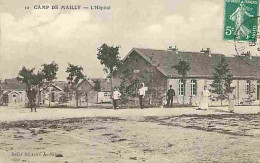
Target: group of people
(141,93)
(116,96)
(204,103)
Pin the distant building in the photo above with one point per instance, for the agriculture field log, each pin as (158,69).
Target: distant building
(13,92)
(56,94)
(88,93)
(104,95)
(154,69)
(51,95)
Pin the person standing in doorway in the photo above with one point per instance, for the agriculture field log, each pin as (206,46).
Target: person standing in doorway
(170,94)
(116,96)
(141,93)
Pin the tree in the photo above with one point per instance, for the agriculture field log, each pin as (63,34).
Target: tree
(49,73)
(74,77)
(128,90)
(222,79)
(26,76)
(109,57)
(67,93)
(64,98)
(30,79)
(38,81)
(97,86)
(123,91)
(182,67)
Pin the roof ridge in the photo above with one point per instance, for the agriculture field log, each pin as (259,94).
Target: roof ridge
(198,69)
(181,51)
(151,49)
(194,52)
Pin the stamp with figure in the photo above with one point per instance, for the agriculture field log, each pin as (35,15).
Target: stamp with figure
(249,52)
(236,13)
(252,47)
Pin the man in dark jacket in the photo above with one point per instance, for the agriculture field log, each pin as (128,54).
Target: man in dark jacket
(31,94)
(170,94)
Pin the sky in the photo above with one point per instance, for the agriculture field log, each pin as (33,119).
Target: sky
(32,37)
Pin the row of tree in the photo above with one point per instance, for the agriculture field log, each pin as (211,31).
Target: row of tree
(45,77)
(108,55)
(109,58)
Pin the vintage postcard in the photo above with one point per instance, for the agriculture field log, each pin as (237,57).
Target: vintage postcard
(90,81)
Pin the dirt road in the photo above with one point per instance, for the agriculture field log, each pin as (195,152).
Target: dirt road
(180,139)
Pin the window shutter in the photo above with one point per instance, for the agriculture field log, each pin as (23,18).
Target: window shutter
(195,88)
(184,88)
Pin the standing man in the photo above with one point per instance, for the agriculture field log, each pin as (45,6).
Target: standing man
(31,94)
(141,93)
(116,96)
(170,94)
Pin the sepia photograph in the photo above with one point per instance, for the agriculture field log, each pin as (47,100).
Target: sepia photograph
(132,81)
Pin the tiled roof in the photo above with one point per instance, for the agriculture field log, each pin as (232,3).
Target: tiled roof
(91,82)
(83,85)
(61,84)
(52,85)
(13,84)
(8,92)
(202,65)
(105,84)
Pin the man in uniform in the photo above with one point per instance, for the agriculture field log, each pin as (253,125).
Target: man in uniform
(170,94)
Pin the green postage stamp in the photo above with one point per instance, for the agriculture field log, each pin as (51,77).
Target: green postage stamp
(241,23)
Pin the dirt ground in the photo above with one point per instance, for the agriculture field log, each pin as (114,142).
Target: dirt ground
(218,138)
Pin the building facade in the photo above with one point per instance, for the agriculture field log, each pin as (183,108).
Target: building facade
(89,94)
(155,69)
(13,93)
(50,95)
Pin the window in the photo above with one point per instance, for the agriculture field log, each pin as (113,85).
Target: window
(107,94)
(248,87)
(14,95)
(181,88)
(193,86)
(52,97)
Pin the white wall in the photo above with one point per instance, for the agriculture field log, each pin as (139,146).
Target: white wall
(187,98)
(104,98)
(239,91)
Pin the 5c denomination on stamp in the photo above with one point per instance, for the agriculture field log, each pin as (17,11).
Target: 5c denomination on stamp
(236,13)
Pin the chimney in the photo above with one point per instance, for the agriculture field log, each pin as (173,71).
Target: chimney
(207,51)
(175,49)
